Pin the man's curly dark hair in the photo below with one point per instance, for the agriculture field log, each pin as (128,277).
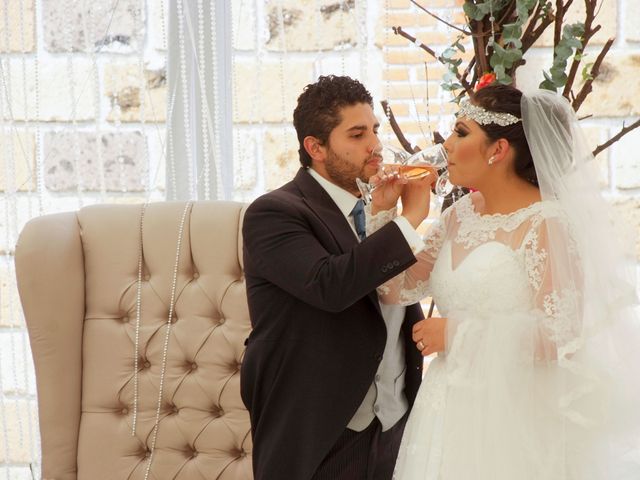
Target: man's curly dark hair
(319,105)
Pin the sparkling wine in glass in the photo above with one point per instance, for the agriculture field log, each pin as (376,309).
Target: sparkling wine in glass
(411,167)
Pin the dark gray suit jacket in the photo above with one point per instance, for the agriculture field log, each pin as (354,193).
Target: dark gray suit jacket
(318,334)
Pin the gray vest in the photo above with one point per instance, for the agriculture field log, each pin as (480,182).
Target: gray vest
(385,398)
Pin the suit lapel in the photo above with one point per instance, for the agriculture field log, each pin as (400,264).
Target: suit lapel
(319,201)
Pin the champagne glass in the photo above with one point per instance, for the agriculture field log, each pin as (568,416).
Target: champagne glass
(410,167)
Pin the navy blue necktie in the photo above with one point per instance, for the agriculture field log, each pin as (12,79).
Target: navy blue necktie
(359,219)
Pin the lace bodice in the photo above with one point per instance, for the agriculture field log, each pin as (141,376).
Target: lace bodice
(487,265)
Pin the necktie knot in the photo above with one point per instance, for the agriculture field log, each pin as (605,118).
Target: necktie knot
(359,219)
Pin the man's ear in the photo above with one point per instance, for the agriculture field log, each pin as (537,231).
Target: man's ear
(314,148)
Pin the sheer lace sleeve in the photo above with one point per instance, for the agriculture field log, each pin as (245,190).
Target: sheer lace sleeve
(380,219)
(554,273)
(412,285)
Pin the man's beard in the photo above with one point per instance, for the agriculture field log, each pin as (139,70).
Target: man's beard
(343,173)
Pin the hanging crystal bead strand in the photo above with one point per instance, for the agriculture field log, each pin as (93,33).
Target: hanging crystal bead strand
(185,97)
(165,348)
(136,343)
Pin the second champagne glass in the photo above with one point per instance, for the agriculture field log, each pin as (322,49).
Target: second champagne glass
(412,167)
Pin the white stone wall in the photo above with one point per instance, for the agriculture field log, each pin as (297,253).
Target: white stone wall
(85,123)
(82,114)
(85,120)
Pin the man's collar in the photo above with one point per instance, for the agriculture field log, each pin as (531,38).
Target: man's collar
(344,200)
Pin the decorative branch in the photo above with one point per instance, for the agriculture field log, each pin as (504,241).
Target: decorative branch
(595,71)
(415,41)
(557,30)
(616,137)
(440,19)
(507,12)
(479,46)
(531,35)
(396,128)
(589,32)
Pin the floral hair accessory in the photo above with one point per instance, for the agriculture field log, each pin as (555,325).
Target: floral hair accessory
(486,79)
(485,117)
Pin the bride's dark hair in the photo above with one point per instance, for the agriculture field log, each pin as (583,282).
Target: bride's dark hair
(506,99)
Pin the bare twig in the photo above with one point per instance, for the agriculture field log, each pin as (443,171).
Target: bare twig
(532,34)
(396,128)
(479,47)
(467,70)
(588,34)
(414,40)
(557,30)
(616,137)
(507,13)
(595,70)
(532,22)
(440,19)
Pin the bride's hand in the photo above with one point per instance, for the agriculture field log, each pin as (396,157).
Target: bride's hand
(430,335)
(416,200)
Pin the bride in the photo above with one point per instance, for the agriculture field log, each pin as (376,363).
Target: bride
(534,377)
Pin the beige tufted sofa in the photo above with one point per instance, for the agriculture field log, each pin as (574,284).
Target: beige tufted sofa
(77,278)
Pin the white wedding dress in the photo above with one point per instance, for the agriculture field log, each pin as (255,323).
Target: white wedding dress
(498,404)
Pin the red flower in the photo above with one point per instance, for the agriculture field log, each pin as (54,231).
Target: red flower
(486,79)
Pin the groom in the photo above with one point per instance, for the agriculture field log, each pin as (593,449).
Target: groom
(329,373)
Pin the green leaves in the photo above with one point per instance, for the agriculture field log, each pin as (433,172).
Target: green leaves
(507,52)
(449,59)
(571,40)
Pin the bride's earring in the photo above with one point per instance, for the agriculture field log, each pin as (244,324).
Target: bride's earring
(492,159)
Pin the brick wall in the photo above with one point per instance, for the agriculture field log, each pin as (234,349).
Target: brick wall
(612,102)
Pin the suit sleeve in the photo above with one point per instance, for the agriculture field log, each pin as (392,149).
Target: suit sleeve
(281,247)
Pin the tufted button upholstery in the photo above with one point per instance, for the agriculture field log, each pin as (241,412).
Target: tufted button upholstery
(77,276)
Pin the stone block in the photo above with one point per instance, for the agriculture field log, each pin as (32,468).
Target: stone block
(626,165)
(616,89)
(123,87)
(245,158)
(16,367)
(597,135)
(529,76)
(10,312)
(281,159)
(396,74)
(431,38)
(406,56)
(419,127)
(158,28)
(414,91)
(307,29)
(18,416)
(345,62)
(156,140)
(17,155)
(268,91)
(243,16)
(21,20)
(56,80)
(408,20)
(87,26)
(436,108)
(607,18)
(399,109)
(631,16)
(398,4)
(123,161)
(628,212)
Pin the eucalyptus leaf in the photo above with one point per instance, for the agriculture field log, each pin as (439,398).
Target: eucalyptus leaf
(472,11)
